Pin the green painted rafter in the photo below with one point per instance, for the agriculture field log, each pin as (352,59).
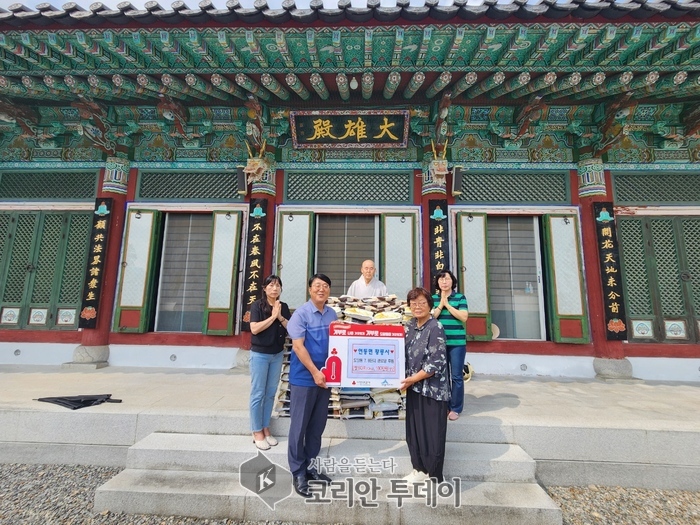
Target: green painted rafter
(175,84)
(464,83)
(424,46)
(72,52)
(656,43)
(131,87)
(93,48)
(574,44)
(24,52)
(484,48)
(283,49)
(590,82)
(542,82)
(198,47)
(229,48)
(611,86)
(153,85)
(455,47)
(39,88)
(487,84)
(319,86)
(543,46)
(205,88)
(622,47)
(684,44)
(398,47)
(563,84)
(274,87)
(338,50)
(511,85)
(602,41)
(224,84)
(297,86)
(255,49)
(368,47)
(249,84)
(518,42)
(311,48)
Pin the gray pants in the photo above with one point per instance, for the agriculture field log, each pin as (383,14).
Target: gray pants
(308,410)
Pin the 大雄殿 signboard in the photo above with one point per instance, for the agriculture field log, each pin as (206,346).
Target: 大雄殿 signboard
(350,128)
(365,356)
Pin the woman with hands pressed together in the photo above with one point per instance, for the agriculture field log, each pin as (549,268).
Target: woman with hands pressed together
(427,389)
(452,312)
(268,322)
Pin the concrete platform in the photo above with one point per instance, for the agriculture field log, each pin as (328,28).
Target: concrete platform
(641,433)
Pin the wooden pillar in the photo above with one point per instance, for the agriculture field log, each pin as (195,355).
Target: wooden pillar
(93,351)
(594,185)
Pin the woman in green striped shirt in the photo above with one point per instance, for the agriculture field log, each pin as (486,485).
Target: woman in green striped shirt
(452,312)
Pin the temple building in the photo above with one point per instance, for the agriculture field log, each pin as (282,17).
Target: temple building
(156,163)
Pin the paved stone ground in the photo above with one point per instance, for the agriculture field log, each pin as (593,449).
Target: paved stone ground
(63,495)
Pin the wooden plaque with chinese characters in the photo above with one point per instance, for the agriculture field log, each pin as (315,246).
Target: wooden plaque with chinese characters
(94,273)
(439,234)
(606,235)
(350,129)
(254,262)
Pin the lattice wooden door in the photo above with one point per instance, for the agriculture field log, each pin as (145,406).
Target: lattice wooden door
(661,275)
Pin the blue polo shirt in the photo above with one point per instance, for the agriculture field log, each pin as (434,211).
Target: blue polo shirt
(310,324)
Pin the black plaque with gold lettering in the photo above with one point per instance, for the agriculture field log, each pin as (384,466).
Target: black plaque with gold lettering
(94,277)
(254,261)
(439,245)
(350,129)
(615,318)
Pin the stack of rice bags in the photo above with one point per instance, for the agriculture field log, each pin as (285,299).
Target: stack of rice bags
(355,403)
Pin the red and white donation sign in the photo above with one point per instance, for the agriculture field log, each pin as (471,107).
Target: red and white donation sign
(365,355)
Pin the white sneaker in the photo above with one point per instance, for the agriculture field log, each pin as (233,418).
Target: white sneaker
(416,476)
(411,476)
(421,477)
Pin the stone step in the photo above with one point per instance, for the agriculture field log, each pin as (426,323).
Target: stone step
(219,495)
(338,457)
(464,430)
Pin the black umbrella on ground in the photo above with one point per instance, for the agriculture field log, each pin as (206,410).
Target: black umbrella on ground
(76,402)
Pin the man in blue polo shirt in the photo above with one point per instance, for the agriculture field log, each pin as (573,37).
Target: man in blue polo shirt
(308,402)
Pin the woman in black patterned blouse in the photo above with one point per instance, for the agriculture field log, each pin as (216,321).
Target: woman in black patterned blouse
(427,388)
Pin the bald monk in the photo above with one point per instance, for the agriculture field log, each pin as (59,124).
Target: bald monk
(367,285)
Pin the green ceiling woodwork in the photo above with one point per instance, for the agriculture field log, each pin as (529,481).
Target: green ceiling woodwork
(538,47)
(564,72)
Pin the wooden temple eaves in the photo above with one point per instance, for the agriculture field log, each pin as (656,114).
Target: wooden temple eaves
(371,65)
(191,72)
(344,12)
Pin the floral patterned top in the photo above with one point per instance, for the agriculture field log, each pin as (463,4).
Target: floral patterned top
(426,350)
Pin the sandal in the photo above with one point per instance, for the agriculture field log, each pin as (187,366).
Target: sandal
(261,444)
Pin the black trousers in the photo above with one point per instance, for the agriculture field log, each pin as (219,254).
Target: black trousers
(426,433)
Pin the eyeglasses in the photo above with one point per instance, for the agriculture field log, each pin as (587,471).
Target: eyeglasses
(418,303)
(320,286)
